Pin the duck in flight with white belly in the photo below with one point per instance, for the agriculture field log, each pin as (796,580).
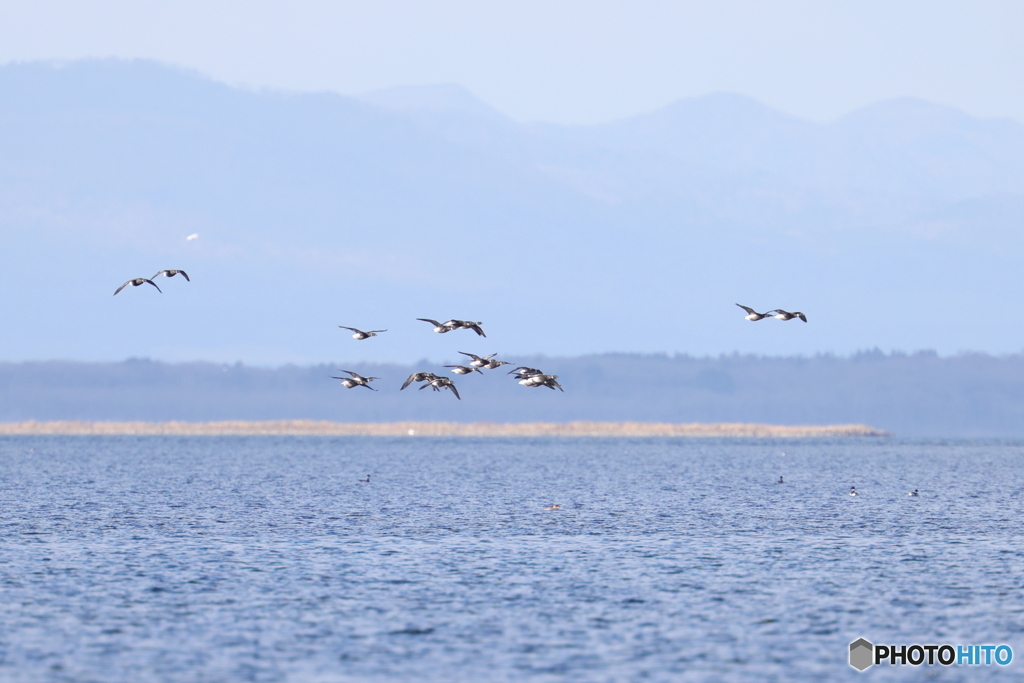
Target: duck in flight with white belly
(753,315)
(359,334)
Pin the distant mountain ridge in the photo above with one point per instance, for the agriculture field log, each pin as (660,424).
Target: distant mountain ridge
(898,225)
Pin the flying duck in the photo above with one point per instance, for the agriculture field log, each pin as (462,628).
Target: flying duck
(359,334)
(462,369)
(522,372)
(494,363)
(440,328)
(356,380)
(440,383)
(786,315)
(549,381)
(135,282)
(753,315)
(478,361)
(419,377)
(171,273)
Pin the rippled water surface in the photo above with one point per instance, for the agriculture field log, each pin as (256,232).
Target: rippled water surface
(264,559)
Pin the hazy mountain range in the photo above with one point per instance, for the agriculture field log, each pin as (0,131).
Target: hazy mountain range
(896,226)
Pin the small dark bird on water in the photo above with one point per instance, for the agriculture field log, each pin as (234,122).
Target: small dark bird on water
(365,481)
(780,480)
(135,282)
(172,273)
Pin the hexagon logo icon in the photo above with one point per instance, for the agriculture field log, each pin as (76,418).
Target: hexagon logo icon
(862,654)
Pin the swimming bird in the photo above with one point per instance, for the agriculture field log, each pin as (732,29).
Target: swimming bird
(478,361)
(419,377)
(171,273)
(135,282)
(913,493)
(440,383)
(440,328)
(365,481)
(780,480)
(355,380)
(553,506)
(462,369)
(786,315)
(853,490)
(753,315)
(359,334)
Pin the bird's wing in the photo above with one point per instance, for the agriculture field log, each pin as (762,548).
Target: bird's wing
(154,284)
(350,328)
(186,275)
(368,387)
(454,391)
(479,330)
(349,372)
(471,355)
(162,272)
(122,287)
(409,381)
(479,370)
(801,316)
(746,308)
(378,330)
(432,322)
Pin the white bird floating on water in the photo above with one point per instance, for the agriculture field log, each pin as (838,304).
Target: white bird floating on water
(359,334)
(135,282)
(853,490)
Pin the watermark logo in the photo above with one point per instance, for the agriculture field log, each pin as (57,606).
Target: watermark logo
(864,654)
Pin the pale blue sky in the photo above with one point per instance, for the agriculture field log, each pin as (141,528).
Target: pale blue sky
(574,61)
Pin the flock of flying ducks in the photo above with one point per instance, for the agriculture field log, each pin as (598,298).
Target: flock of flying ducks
(778,313)
(528,377)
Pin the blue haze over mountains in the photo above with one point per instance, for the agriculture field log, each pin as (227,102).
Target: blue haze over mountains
(897,226)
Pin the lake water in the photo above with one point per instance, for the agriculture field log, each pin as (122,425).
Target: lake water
(264,559)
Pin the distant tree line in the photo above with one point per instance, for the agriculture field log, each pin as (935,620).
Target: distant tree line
(918,394)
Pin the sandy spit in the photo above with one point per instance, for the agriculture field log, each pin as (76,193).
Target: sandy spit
(323,428)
